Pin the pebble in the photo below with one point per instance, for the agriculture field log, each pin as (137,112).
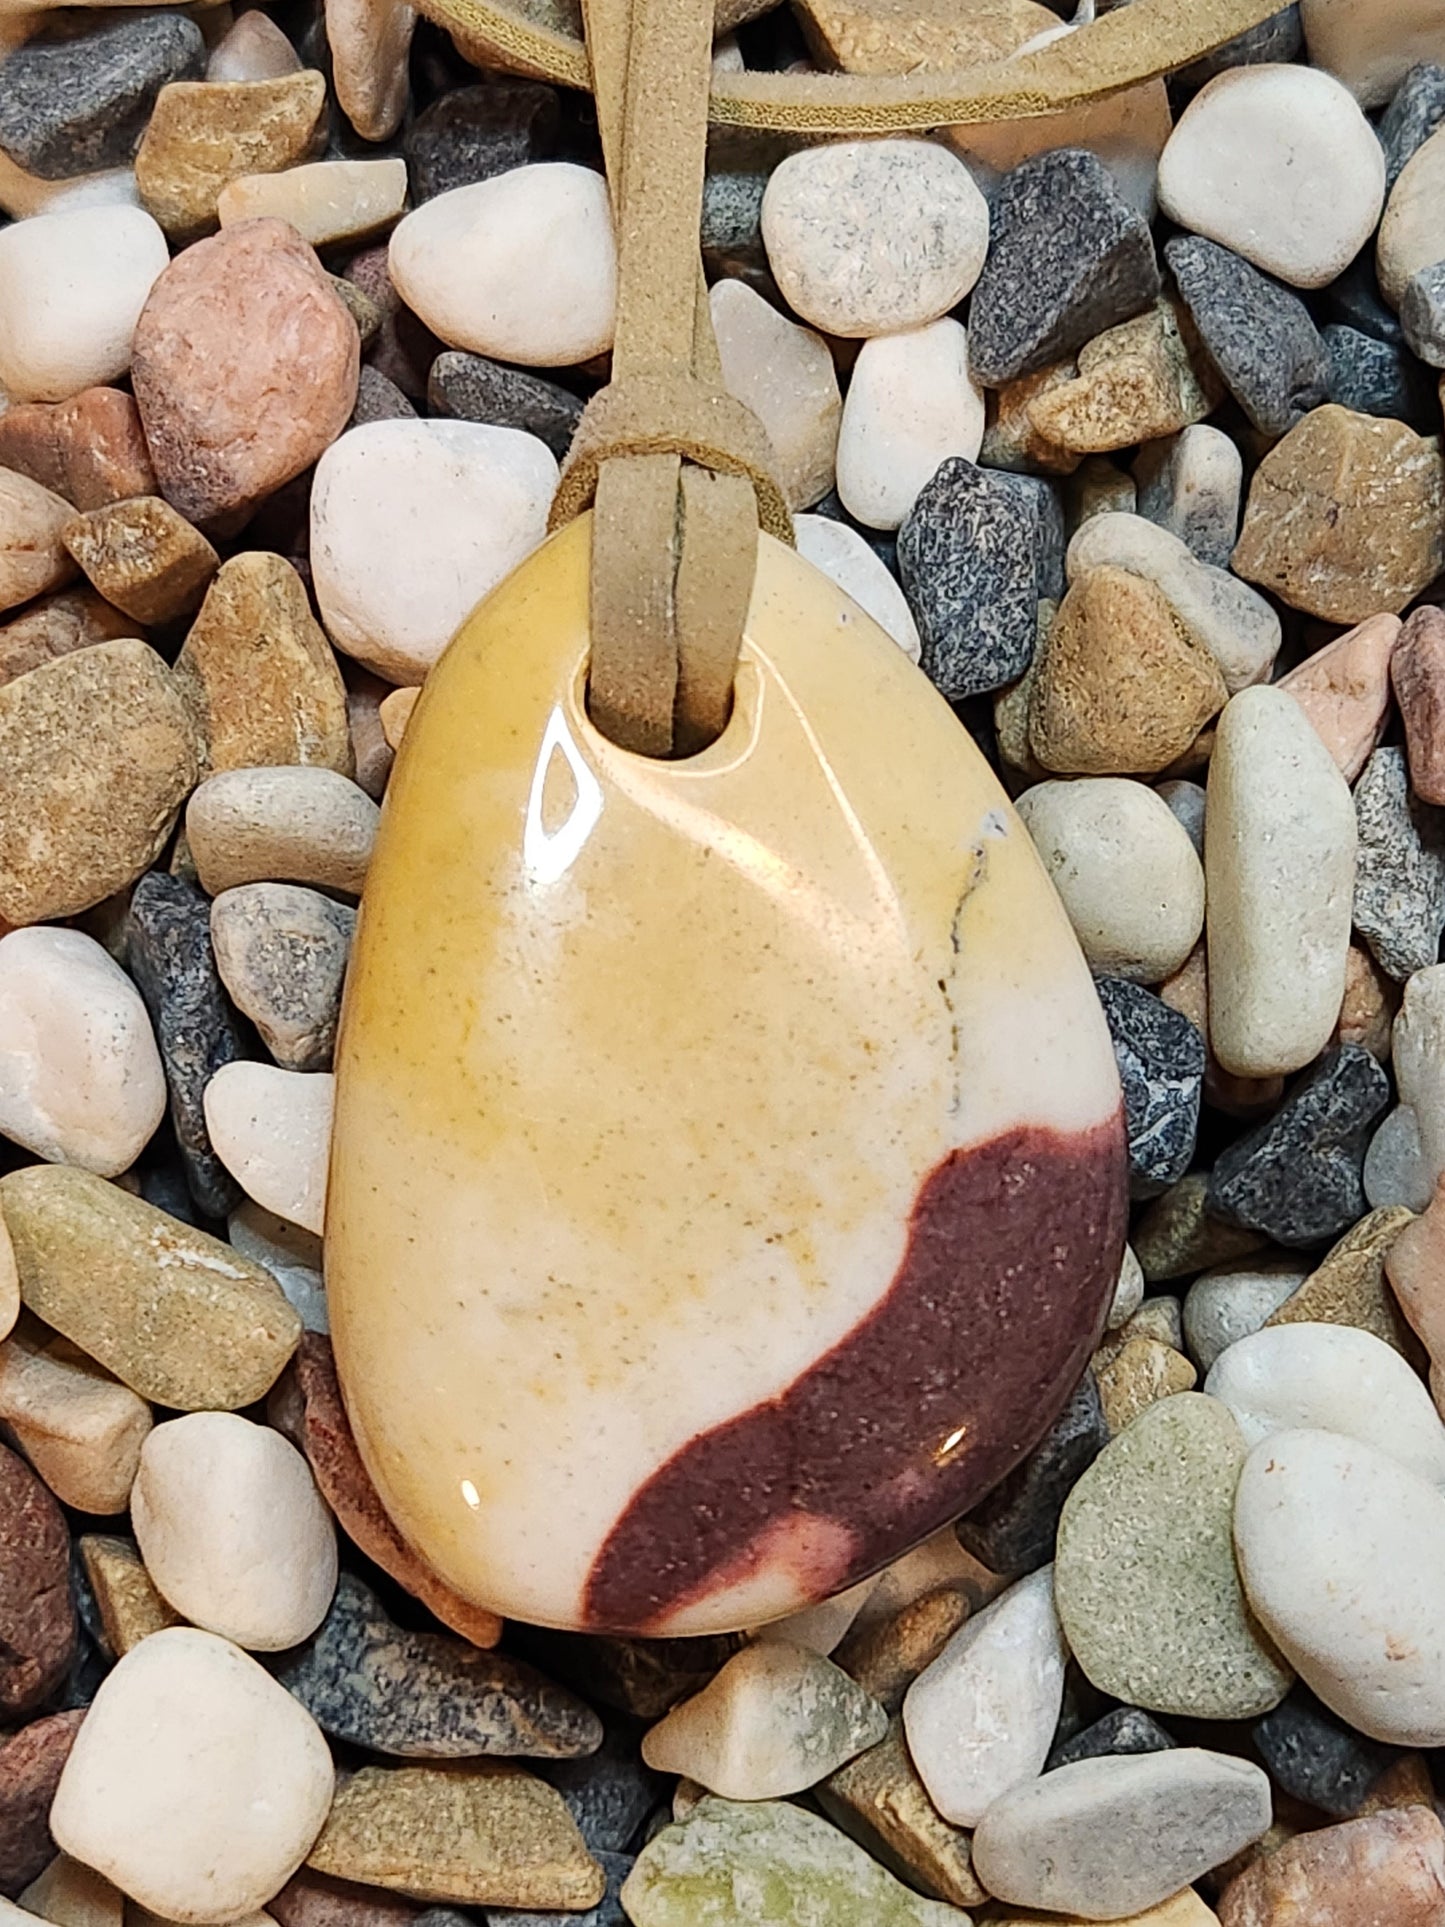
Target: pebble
(1412,235)
(288,825)
(1010,439)
(1345,516)
(1395,1170)
(1415,110)
(484,1834)
(177,1315)
(259,675)
(272,1130)
(1371,52)
(767,1864)
(79,1428)
(1136,382)
(1418,1043)
(1128,1293)
(1339,1548)
(1347,1287)
(1372,1000)
(472,133)
(1313,1756)
(1128,1729)
(869,237)
(1389,1867)
(33,557)
(473,389)
(204,134)
(326,1439)
(1126,870)
(522,267)
(37,1616)
(1399,906)
(127,1603)
(1190,484)
(785,375)
(72,287)
(1068,258)
(1113,1836)
(233,1530)
(368,1682)
(1413,1268)
(369,42)
(1230,169)
(1296,1177)
(1161,1059)
(1258,334)
(1379,378)
(290,1254)
(30,1764)
(879,1797)
(1137,1373)
(1178,1235)
(90,449)
(912,406)
(233,321)
(1417,673)
(72,107)
(329,203)
(980,1717)
(253,49)
(1228,1303)
(1012,1531)
(96,756)
(849,560)
(143,558)
(885,1656)
(189,1743)
(281,952)
(378,399)
(412,523)
(1422,314)
(968,559)
(1344,689)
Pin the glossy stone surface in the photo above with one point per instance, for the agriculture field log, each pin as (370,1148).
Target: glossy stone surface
(754,1163)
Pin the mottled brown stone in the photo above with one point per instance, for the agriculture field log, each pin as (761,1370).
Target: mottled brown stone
(90,450)
(143,557)
(130,1607)
(1176,1236)
(1136,383)
(1142,1371)
(1384,1871)
(885,1657)
(244,366)
(1417,669)
(1371,1001)
(37,1616)
(317,1900)
(202,134)
(54,626)
(1011,439)
(30,1763)
(1346,516)
(32,556)
(327,1440)
(97,754)
(880,1800)
(1348,1286)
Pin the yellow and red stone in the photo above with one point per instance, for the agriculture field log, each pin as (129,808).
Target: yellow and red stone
(728,1180)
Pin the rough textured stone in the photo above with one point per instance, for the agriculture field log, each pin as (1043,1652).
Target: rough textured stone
(33,557)
(203,134)
(37,1617)
(1416,109)
(1013,1530)
(1400,869)
(96,755)
(178,1316)
(611,1792)
(474,389)
(30,1765)
(1375,377)
(1068,258)
(1179,1235)
(130,1608)
(1389,1868)
(1315,1756)
(880,1800)
(472,133)
(967,556)
(1417,672)
(90,449)
(74,106)
(281,952)
(1259,335)
(1136,1373)
(1348,1286)
(1344,689)
(1136,382)
(56,625)
(1161,1059)
(1422,314)
(142,557)
(885,1656)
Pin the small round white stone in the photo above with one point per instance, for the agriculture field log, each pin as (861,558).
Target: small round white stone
(867,237)
(857,568)
(72,285)
(522,266)
(911,404)
(980,1718)
(1126,870)
(81,1080)
(412,523)
(272,1131)
(196,1784)
(1342,1554)
(233,1531)
(1226,1304)
(1278,163)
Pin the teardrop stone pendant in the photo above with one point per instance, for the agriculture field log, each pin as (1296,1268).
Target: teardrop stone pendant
(728,1179)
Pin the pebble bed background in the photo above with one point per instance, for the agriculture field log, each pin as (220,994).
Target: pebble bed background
(1127,428)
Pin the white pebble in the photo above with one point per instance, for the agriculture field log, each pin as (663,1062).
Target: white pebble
(522,266)
(1191,485)
(1417,1051)
(272,1131)
(857,568)
(1125,869)
(196,1784)
(980,1718)
(80,1428)
(785,374)
(1278,163)
(412,523)
(1395,1169)
(868,237)
(72,285)
(253,49)
(1342,1555)
(911,404)
(233,1531)
(80,1075)
(1128,1292)
(1279,853)
(1227,1304)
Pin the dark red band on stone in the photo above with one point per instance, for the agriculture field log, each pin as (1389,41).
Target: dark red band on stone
(1013,1253)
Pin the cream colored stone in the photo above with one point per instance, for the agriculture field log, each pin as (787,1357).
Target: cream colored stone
(70,1895)
(295,824)
(1372,46)
(253,49)
(1344,689)
(785,374)
(842,553)
(1412,233)
(272,1131)
(370,41)
(80,1428)
(327,202)
(72,285)
(33,558)
(911,404)
(395,714)
(1126,130)
(1137,382)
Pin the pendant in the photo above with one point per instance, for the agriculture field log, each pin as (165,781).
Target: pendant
(728,1178)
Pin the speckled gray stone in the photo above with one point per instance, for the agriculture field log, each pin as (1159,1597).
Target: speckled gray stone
(732,224)
(378,399)
(610,1792)
(473,133)
(75,105)
(1068,257)
(1045,503)
(1128,1729)
(1414,113)
(1422,314)
(1161,1059)
(1376,377)
(1297,1177)
(281,951)
(1312,1754)
(968,558)
(1012,1531)
(473,389)
(1258,332)
(1400,868)
(428,1696)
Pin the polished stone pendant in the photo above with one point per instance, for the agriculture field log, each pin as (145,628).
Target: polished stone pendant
(728,1178)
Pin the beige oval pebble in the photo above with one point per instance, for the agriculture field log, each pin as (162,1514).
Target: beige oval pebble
(80,1075)
(327,202)
(848,557)
(196,1783)
(911,404)
(80,1428)
(295,824)
(1279,850)
(72,285)
(522,266)
(272,1131)
(1412,233)
(785,374)
(233,1530)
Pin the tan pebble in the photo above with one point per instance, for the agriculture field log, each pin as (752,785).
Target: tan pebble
(1415,1270)
(1136,383)
(253,49)
(1346,516)
(864,38)
(1348,1285)
(33,558)
(1121,687)
(1371,1003)
(91,449)
(1182,1910)
(327,202)
(125,1594)
(181,1318)
(143,557)
(96,755)
(1371,49)
(272,1130)
(297,824)
(485,1834)
(1344,689)
(785,374)
(1187,991)
(1098,487)
(880,1792)
(885,1656)
(259,675)
(369,42)
(54,626)
(70,1895)
(1388,1868)
(395,712)
(1011,440)
(1142,1371)
(1412,235)
(1417,670)
(1176,1236)
(202,134)
(80,1428)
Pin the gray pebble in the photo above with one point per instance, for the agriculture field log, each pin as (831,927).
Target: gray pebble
(1417,109)
(378,399)
(473,389)
(1311,1754)
(1400,869)
(1422,314)
(474,133)
(1375,377)
(1190,484)
(1353,299)
(1258,332)
(610,1792)
(1161,1059)
(1013,1530)
(732,225)
(76,105)
(281,951)
(1128,1729)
